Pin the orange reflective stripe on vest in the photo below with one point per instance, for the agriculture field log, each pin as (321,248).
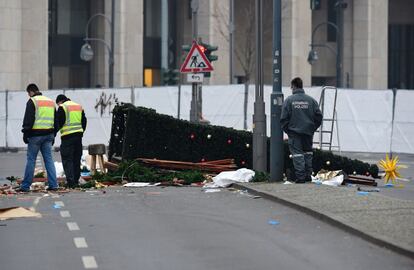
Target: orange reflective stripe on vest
(73,115)
(44,112)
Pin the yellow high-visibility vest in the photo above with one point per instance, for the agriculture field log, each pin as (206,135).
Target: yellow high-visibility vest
(44,112)
(73,114)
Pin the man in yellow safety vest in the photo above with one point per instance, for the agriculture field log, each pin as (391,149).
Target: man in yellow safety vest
(71,121)
(38,134)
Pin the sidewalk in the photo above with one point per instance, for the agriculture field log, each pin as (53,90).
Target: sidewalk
(383,220)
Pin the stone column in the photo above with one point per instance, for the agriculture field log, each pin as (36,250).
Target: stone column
(10,45)
(34,43)
(370,46)
(213,22)
(296,37)
(129,35)
(23,44)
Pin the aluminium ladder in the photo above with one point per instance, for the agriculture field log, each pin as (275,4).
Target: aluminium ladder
(328,121)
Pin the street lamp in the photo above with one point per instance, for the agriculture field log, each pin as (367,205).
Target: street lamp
(313,55)
(86,52)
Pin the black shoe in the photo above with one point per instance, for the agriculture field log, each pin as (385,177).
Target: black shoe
(52,189)
(22,190)
(300,181)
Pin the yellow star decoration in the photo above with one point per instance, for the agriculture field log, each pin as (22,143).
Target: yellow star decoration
(391,168)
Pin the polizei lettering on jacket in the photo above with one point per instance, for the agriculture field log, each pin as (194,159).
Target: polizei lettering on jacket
(300,104)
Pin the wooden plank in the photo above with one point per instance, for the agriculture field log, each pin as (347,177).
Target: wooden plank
(171,164)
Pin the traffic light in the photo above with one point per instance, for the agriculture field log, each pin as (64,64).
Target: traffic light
(170,76)
(208,49)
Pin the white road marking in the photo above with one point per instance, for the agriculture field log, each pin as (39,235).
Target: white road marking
(64,214)
(89,262)
(55,196)
(80,242)
(60,203)
(72,226)
(35,203)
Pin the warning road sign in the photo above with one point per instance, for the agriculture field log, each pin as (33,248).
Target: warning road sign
(196,61)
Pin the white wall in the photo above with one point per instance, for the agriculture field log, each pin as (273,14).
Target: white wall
(364,116)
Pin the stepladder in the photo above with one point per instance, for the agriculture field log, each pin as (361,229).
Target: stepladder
(329,125)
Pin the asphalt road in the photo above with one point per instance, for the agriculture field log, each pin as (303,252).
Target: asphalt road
(177,228)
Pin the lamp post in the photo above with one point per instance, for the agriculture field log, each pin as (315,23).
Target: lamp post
(259,116)
(86,52)
(313,56)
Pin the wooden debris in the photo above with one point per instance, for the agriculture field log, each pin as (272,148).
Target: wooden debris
(110,166)
(215,166)
(361,180)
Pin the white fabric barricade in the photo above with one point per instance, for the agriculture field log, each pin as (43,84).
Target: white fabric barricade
(3,119)
(98,105)
(364,119)
(163,99)
(364,116)
(404,122)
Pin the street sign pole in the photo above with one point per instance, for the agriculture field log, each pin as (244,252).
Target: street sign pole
(276,99)
(259,116)
(194,110)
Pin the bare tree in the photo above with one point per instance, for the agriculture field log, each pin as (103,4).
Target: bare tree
(245,50)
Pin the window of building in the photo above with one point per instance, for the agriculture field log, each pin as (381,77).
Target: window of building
(67,21)
(401,56)
(152,38)
(331,32)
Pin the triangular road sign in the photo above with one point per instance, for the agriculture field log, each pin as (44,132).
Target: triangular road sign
(196,61)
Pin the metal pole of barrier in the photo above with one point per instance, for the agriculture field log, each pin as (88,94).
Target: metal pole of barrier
(7,117)
(179,101)
(394,94)
(133,95)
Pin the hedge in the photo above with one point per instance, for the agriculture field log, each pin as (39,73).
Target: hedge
(141,132)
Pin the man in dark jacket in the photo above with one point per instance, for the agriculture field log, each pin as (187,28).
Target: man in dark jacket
(38,134)
(71,121)
(300,119)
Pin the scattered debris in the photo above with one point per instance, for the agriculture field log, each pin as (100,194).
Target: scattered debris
(141,184)
(17,212)
(212,190)
(363,193)
(246,193)
(225,179)
(330,178)
(368,190)
(273,222)
(360,180)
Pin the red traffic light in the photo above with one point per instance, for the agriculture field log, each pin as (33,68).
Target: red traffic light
(202,48)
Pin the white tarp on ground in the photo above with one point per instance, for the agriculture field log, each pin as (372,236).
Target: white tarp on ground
(364,116)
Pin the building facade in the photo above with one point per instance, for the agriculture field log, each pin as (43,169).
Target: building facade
(40,41)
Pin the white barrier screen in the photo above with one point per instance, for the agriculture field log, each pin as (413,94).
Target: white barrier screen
(364,116)
(2,119)
(403,137)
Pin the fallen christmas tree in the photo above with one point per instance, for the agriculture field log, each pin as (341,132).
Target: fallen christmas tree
(139,132)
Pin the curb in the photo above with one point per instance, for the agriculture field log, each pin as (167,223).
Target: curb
(332,221)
